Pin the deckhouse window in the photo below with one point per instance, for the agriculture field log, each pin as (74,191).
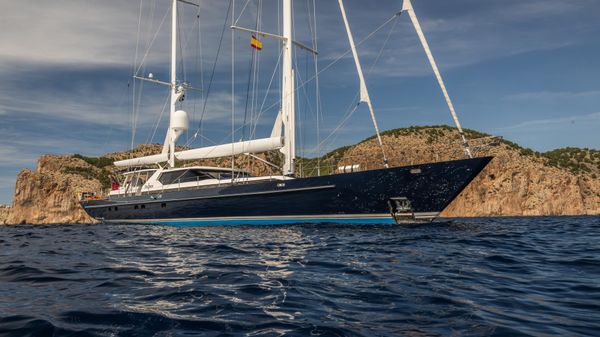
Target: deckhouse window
(227,174)
(137,179)
(183,176)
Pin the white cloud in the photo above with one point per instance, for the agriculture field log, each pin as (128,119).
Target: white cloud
(470,35)
(552,95)
(76,33)
(537,124)
(70,32)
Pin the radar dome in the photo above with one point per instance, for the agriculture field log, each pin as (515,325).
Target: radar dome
(179,121)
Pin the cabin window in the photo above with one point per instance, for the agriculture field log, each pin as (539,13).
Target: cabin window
(116,208)
(135,207)
(110,209)
(136,179)
(183,176)
(143,206)
(227,174)
(163,205)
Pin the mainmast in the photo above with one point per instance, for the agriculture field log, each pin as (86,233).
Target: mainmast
(178,121)
(173,79)
(288,92)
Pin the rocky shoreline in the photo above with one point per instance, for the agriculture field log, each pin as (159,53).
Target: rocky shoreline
(518,181)
(4,210)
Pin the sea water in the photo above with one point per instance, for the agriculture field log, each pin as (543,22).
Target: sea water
(490,276)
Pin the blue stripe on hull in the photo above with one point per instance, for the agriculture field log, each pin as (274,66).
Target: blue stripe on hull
(241,222)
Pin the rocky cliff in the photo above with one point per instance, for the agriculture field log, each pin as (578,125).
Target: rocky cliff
(4,209)
(49,194)
(518,181)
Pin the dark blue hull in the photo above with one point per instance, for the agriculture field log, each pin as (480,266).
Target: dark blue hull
(409,192)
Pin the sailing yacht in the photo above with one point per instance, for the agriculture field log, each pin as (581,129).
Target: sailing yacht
(155,191)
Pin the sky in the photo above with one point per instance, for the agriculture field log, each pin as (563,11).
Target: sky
(526,70)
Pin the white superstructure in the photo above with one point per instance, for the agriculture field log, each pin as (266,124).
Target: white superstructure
(148,181)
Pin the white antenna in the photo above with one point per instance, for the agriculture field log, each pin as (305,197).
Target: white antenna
(407,7)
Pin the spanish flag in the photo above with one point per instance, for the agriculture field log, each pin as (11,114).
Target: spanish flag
(255,43)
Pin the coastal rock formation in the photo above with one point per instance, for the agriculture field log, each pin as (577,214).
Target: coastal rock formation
(518,181)
(50,193)
(4,209)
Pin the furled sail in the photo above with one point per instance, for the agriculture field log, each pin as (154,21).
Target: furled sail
(224,150)
(141,161)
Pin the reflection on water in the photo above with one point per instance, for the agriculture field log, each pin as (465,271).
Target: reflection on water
(482,276)
(286,245)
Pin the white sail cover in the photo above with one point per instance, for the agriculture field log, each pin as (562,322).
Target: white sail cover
(224,150)
(141,161)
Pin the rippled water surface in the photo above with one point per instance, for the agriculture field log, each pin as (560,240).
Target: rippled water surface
(504,276)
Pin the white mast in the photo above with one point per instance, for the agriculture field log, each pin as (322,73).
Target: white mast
(173,80)
(287,92)
(178,121)
(364,93)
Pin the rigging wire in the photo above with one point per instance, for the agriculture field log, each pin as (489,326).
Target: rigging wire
(199,63)
(376,60)
(241,12)
(152,42)
(257,70)
(349,112)
(140,89)
(317,88)
(134,71)
(212,75)
(159,119)
(232,90)
(251,77)
(181,47)
(341,56)
(307,102)
(261,109)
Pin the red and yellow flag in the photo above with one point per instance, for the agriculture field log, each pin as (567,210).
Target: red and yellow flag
(255,43)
